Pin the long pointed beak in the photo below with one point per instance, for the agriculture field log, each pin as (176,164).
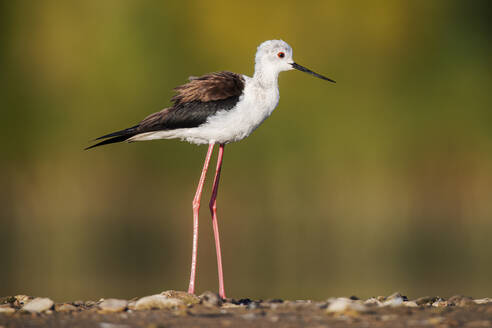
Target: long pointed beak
(304,69)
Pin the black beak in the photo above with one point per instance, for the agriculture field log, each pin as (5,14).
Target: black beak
(304,69)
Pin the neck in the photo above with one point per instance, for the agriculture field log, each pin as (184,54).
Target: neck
(265,77)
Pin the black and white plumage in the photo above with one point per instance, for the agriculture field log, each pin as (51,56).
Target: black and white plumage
(217,108)
(194,103)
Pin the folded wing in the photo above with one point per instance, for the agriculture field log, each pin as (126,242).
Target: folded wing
(194,103)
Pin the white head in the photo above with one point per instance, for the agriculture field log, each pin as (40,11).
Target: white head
(275,56)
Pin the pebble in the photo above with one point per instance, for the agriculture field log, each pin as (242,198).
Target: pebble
(6,309)
(7,299)
(373,301)
(483,300)
(89,303)
(345,306)
(440,303)
(132,305)
(65,307)
(211,299)
(21,300)
(187,298)
(230,306)
(426,300)
(275,300)
(397,295)
(459,300)
(39,304)
(242,301)
(112,305)
(253,305)
(395,301)
(158,302)
(410,304)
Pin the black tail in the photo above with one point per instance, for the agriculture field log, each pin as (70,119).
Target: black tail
(117,136)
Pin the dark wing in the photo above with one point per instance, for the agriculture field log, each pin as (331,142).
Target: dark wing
(194,102)
(210,87)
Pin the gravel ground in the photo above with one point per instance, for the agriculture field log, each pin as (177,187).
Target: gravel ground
(179,309)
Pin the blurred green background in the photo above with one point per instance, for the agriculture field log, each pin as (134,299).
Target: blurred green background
(382,182)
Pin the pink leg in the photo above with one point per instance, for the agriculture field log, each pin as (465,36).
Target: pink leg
(213,210)
(196,209)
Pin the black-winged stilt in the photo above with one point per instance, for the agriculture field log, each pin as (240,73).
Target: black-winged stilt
(217,108)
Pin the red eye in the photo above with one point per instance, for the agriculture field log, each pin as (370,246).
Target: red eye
(281,55)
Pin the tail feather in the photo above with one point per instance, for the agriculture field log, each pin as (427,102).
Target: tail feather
(114,137)
(119,133)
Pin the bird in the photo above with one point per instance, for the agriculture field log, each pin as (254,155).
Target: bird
(216,108)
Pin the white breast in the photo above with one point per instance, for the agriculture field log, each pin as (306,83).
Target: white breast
(253,107)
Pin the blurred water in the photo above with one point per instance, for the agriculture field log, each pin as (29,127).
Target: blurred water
(379,183)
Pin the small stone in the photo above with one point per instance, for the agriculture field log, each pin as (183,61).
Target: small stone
(253,305)
(21,300)
(211,299)
(372,301)
(459,300)
(89,304)
(230,306)
(397,295)
(393,300)
(440,303)
(65,307)
(158,302)
(187,298)
(483,300)
(275,300)
(112,305)
(344,305)
(7,300)
(132,305)
(426,300)
(242,301)
(6,309)
(410,304)
(39,304)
